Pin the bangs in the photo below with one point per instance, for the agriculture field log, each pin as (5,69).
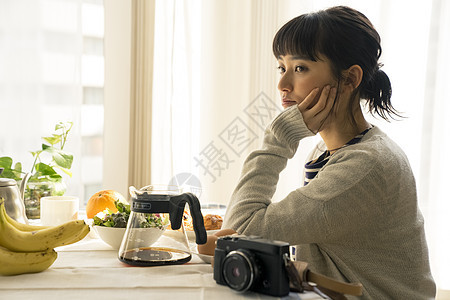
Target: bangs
(299,37)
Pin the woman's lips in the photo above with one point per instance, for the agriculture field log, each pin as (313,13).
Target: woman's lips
(287,102)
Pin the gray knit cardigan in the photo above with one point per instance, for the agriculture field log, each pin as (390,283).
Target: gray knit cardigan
(357,221)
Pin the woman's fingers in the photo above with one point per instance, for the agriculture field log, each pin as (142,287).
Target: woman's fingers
(315,114)
(326,103)
(308,101)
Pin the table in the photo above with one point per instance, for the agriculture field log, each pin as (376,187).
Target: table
(90,270)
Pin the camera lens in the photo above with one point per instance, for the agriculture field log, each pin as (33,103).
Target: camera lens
(240,270)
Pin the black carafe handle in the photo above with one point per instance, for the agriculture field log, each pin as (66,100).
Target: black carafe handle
(176,207)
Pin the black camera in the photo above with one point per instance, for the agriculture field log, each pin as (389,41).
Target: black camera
(252,263)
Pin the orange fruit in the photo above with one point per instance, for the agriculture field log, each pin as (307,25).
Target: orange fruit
(101,201)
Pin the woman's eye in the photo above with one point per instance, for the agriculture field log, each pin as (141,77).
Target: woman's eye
(297,69)
(300,69)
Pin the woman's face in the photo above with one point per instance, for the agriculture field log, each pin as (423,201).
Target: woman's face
(300,75)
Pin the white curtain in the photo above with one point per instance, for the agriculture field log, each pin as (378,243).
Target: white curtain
(203,124)
(141,92)
(176,92)
(433,185)
(215,89)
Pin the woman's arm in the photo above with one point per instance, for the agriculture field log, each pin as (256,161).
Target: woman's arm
(333,204)
(260,173)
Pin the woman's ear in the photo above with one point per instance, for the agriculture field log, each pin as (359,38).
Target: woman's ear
(353,77)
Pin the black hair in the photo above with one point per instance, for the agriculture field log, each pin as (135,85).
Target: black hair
(346,37)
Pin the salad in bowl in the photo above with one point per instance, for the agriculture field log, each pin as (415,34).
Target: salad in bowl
(111,226)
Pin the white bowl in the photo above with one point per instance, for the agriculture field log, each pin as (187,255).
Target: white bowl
(110,235)
(113,236)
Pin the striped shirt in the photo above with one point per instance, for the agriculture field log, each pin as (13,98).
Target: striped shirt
(313,167)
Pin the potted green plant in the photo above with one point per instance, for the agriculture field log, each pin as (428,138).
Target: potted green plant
(44,179)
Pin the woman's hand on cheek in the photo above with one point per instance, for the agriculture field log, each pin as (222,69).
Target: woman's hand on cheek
(315,114)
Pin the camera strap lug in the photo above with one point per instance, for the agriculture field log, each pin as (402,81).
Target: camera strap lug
(295,279)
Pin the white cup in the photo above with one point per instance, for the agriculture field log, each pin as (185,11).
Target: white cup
(56,210)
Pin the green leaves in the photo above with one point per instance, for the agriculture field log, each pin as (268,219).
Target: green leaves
(120,218)
(107,221)
(122,207)
(8,170)
(44,169)
(53,152)
(61,158)
(52,140)
(6,162)
(44,172)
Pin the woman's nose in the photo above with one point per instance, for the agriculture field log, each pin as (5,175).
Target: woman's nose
(285,85)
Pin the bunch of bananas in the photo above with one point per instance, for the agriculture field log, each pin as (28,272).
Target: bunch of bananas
(28,248)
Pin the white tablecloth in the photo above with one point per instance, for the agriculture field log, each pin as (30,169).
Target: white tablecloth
(90,270)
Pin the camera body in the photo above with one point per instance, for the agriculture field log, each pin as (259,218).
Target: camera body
(252,263)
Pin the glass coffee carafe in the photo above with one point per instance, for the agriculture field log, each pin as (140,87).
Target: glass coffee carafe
(155,233)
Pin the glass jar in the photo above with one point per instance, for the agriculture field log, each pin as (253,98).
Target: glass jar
(35,190)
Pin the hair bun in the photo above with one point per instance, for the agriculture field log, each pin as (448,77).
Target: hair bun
(379,91)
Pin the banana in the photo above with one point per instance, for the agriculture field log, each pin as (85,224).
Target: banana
(31,241)
(18,225)
(21,226)
(14,263)
(79,235)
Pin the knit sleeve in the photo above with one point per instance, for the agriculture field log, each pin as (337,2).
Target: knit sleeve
(307,214)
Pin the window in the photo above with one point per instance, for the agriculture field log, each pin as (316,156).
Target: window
(52,70)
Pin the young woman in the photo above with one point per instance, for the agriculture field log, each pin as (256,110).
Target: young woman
(356,218)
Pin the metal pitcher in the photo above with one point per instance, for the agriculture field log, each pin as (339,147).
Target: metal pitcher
(13,195)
